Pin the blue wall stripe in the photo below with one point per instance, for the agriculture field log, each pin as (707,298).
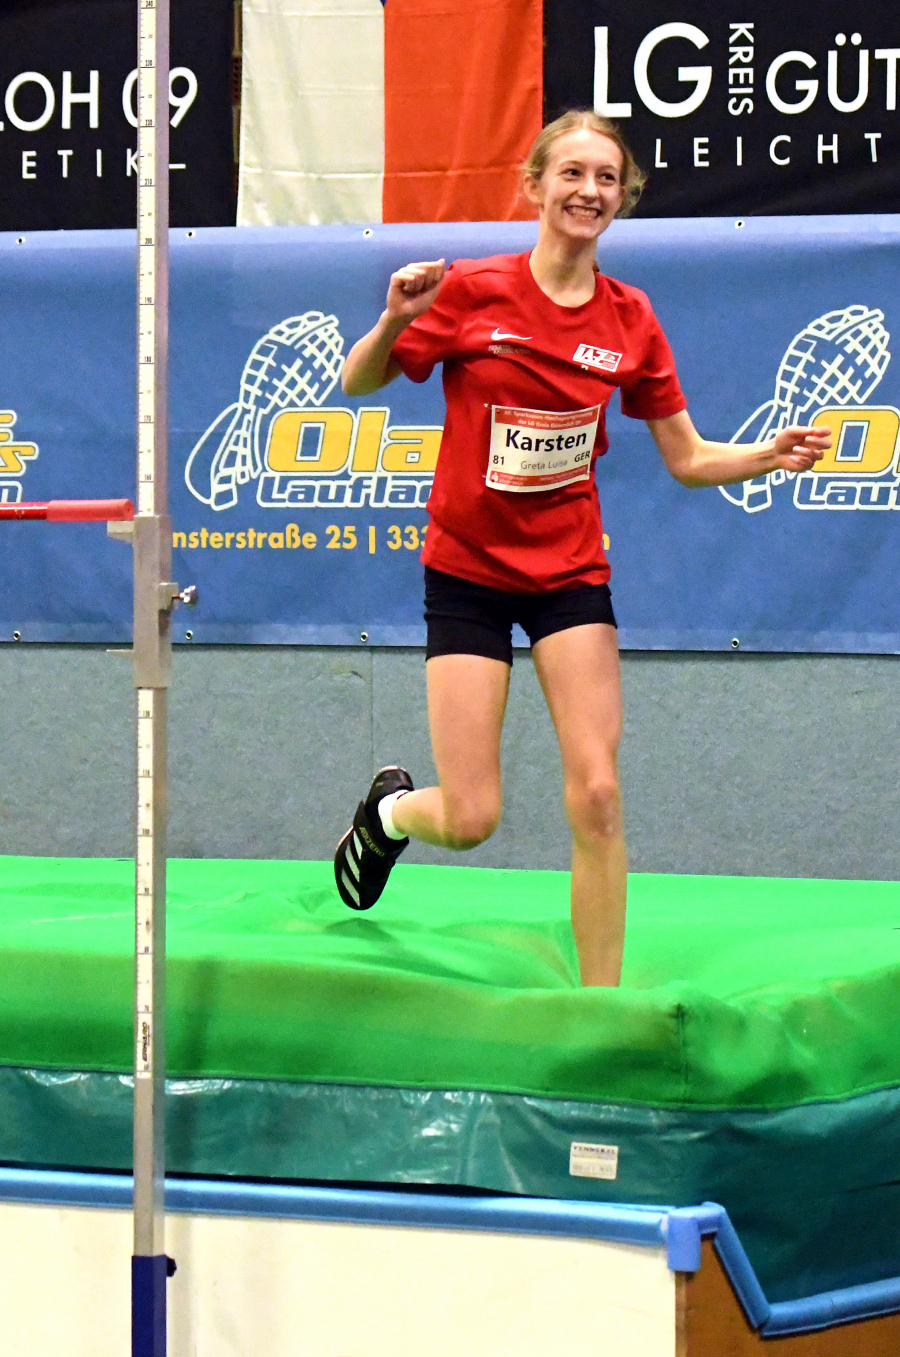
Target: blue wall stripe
(517,1215)
(680,1229)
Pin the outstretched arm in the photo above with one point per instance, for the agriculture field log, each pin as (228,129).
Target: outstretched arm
(411,291)
(694,461)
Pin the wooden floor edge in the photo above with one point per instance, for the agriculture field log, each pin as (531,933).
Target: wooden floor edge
(709,1322)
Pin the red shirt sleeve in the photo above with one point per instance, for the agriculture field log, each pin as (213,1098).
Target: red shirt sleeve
(655,392)
(432,338)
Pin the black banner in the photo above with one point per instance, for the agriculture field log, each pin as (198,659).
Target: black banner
(767,110)
(67,121)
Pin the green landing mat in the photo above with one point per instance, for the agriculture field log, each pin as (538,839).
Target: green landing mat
(751,1056)
(738,993)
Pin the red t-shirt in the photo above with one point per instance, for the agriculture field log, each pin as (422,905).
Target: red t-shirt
(509,354)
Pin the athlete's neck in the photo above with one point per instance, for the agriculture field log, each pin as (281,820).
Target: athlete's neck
(565,270)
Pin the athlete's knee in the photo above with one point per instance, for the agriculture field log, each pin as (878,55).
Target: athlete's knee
(470,823)
(594,805)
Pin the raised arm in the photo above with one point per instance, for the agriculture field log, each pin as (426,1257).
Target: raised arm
(411,291)
(694,461)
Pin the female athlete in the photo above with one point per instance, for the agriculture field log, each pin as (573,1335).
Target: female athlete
(533,347)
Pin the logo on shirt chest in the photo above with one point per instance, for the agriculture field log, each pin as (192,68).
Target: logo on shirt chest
(589,356)
(505,334)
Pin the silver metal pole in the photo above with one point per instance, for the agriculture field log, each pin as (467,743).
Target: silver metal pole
(153,600)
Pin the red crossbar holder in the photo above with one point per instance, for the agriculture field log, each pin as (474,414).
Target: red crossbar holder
(72,510)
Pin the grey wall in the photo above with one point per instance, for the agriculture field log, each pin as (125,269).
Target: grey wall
(748,764)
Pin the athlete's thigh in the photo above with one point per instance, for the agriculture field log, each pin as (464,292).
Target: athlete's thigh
(579,672)
(466,702)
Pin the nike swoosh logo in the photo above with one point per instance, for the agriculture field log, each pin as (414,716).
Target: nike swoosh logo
(498,334)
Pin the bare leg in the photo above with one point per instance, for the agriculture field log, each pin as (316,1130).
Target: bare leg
(466,702)
(579,673)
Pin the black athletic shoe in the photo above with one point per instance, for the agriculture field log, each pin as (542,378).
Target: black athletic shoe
(365,855)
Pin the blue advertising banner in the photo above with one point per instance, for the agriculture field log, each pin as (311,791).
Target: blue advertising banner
(300,513)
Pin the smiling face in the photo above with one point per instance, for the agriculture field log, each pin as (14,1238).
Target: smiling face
(581,190)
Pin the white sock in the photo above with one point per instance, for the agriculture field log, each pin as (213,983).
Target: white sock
(385,806)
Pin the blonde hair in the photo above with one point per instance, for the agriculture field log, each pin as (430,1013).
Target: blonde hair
(632,177)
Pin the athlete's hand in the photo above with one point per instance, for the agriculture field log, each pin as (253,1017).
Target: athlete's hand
(800,447)
(413,289)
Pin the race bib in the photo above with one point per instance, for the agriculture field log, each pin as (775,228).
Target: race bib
(540,449)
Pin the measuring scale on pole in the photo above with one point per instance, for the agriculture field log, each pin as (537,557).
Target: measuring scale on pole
(155,596)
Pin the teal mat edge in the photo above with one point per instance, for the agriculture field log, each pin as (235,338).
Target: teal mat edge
(768,1169)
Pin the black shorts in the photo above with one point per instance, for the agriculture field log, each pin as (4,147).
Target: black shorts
(470,619)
